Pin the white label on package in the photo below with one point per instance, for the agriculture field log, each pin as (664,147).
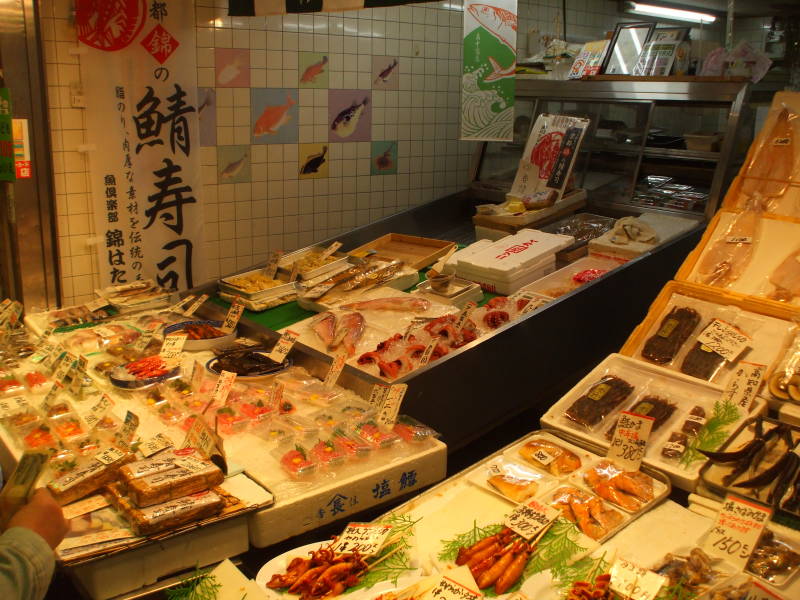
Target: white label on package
(736,531)
(447,588)
(64,366)
(337,366)
(129,427)
(95,304)
(99,410)
(739,239)
(464,314)
(629,580)
(109,455)
(391,404)
(330,250)
(107,535)
(272,264)
(743,386)
(54,354)
(50,398)
(145,338)
(87,505)
(223,387)
(630,440)
(154,445)
(365,538)
(724,339)
(172,347)
(196,379)
(233,316)
(543,456)
(530,518)
(191,464)
(284,346)
(12,406)
(426,354)
(377,395)
(192,308)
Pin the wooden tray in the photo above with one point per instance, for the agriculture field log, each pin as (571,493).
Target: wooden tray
(416,252)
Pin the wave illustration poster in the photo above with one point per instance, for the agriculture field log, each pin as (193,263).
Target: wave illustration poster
(488,82)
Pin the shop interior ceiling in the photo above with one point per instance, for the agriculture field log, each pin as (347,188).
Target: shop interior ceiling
(741,8)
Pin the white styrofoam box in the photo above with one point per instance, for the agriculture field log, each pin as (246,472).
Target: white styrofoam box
(128,571)
(683,390)
(344,497)
(523,277)
(788,412)
(452,262)
(666,227)
(487,233)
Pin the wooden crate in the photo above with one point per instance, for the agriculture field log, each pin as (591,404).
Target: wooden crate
(416,252)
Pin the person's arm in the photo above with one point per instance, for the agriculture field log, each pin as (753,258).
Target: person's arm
(26,548)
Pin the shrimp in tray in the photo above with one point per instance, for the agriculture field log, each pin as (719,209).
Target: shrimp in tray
(724,261)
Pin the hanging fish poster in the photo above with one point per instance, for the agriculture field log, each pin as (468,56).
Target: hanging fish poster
(488,81)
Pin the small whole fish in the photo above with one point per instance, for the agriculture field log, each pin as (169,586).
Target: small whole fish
(383,76)
(499,72)
(501,23)
(383,162)
(324,325)
(314,162)
(375,275)
(348,332)
(230,72)
(273,118)
(310,74)
(400,303)
(345,123)
(232,170)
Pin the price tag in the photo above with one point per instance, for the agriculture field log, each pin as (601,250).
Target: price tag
(330,249)
(191,463)
(736,530)
(377,395)
(543,456)
(87,505)
(110,455)
(757,591)
(630,440)
(448,588)
(739,239)
(63,366)
(743,387)
(295,272)
(530,518)
(464,314)
(77,374)
(107,535)
(50,398)
(43,347)
(337,366)
(172,347)
(178,306)
(724,339)
(12,314)
(272,264)
(277,396)
(96,304)
(223,387)
(129,427)
(195,305)
(154,445)
(144,339)
(233,316)
(55,355)
(284,346)
(198,372)
(629,580)
(12,406)
(426,354)
(99,410)
(202,438)
(365,538)
(391,404)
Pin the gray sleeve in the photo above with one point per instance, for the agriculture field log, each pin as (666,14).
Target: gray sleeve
(26,565)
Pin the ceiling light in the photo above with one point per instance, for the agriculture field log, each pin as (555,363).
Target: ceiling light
(671,13)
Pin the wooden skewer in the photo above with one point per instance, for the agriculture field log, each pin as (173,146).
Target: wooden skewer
(380,560)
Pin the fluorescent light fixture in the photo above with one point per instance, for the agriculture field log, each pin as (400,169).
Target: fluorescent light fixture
(671,13)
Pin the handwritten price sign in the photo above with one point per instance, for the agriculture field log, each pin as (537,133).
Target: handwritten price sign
(281,350)
(629,580)
(365,538)
(391,404)
(630,440)
(233,316)
(530,518)
(724,339)
(743,387)
(736,530)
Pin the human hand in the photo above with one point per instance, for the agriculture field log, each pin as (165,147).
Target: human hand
(44,516)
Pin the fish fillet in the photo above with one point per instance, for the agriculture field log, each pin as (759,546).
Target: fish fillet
(395,303)
(324,326)
(773,162)
(786,278)
(726,259)
(348,333)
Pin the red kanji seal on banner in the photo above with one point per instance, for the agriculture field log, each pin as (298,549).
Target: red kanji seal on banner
(109,25)
(160,43)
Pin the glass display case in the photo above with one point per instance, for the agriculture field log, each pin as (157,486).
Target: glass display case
(671,145)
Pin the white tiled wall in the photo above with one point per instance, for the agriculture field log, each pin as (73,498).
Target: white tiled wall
(273,208)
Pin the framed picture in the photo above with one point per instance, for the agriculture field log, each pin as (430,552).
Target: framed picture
(670,34)
(656,59)
(626,45)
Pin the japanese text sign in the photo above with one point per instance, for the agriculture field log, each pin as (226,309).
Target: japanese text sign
(630,440)
(736,530)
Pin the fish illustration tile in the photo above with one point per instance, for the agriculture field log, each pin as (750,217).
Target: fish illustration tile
(350,115)
(313,70)
(207,114)
(312,161)
(233,164)
(385,72)
(232,67)
(274,116)
(383,158)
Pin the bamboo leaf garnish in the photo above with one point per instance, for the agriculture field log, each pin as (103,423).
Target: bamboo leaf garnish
(200,585)
(713,433)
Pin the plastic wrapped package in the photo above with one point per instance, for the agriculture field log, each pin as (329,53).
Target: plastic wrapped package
(327,454)
(654,401)
(88,477)
(97,338)
(674,330)
(169,484)
(301,427)
(511,480)
(272,431)
(412,430)
(36,381)
(630,490)
(600,400)
(551,456)
(11,386)
(783,283)
(229,420)
(170,413)
(67,426)
(295,459)
(351,445)
(375,435)
(37,436)
(594,518)
(784,383)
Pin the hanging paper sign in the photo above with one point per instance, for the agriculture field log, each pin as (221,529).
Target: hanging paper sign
(330,250)
(489,64)
(154,445)
(12,314)
(337,366)
(530,518)
(391,404)
(464,314)
(724,339)
(207,442)
(736,530)
(742,388)
(139,81)
(365,538)
(284,346)
(54,356)
(629,580)
(77,374)
(195,305)
(223,387)
(233,316)
(630,440)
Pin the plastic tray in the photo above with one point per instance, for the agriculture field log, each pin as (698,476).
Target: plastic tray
(287,260)
(274,292)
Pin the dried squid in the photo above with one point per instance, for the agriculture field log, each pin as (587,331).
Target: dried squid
(726,259)
(773,161)
(786,278)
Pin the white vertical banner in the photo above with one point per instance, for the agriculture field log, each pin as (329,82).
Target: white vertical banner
(139,76)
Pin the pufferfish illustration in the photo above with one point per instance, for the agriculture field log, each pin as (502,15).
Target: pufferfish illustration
(314,162)
(345,123)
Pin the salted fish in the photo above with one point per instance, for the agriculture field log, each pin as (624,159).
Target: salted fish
(726,259)
(772,164)
(348,332)
(324,325)
(400,303)
(786,278)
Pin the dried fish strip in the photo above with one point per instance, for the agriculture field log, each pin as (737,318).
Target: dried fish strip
(596,404)
(675,329)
